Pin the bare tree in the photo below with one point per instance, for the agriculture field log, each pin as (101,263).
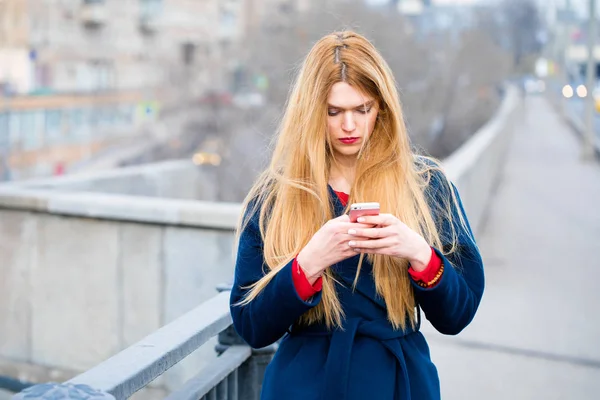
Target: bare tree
(515,25)
(448,80)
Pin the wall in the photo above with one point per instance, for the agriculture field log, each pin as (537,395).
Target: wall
(15,68)
(75,290)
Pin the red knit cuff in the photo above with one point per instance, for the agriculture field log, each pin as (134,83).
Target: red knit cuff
(429,273)
(303,287)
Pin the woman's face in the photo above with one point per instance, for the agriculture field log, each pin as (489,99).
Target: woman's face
(351,117)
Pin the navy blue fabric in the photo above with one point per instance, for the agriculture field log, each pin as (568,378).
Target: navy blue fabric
(368,358)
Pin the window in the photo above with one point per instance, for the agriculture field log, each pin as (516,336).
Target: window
(150,8)
(81,129)
(188,51)
(53,131)
(4,132)
(28,133)
(14,127)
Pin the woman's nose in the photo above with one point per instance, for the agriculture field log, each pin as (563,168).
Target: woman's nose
(348,123)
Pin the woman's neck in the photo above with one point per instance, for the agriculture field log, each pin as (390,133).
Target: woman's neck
(341,175)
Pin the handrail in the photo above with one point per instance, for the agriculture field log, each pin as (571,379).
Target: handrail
(208,379)
(135,367)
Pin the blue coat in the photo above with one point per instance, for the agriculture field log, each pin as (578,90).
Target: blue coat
(368,359)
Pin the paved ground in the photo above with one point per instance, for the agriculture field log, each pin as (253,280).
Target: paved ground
(537,333)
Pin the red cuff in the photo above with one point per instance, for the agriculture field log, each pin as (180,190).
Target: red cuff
(303,287)
(429,273)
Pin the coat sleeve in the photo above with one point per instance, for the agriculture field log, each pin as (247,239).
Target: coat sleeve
(451,304)
(268,317)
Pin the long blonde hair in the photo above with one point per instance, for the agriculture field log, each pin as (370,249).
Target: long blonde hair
(292,197)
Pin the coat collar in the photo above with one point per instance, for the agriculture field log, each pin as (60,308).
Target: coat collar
(336,203)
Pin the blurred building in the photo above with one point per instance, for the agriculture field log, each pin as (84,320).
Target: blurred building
(412,7)
(73,72)
(276,14)
(91,45)
(444,18)
(13,46)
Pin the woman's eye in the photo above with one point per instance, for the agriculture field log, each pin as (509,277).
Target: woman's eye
(333,113)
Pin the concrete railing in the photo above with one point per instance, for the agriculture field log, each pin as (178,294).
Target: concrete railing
(142,262)
(179,179)
(475,166)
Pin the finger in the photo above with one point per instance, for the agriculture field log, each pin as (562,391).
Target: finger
(382,219)
(345,227)
(345,238)
(371,244)
(372,251)
(372,233)
(352,251)
(342,218)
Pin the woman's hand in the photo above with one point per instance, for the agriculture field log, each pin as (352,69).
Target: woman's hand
(391,237)
(329,246)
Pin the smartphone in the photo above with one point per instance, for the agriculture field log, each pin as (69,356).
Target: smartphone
(361,209)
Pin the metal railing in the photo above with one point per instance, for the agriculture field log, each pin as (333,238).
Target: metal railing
(236,374)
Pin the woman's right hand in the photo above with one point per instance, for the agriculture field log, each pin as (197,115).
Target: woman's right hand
(328,246)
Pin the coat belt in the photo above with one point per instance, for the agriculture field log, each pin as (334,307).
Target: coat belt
(340,350)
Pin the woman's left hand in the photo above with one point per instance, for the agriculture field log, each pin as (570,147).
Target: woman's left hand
(391,237)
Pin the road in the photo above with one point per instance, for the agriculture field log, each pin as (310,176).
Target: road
(536,334)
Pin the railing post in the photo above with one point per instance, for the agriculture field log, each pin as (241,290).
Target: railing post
(252,372)
(66,391)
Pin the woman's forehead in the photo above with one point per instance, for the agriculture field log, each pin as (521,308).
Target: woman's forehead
(343,95)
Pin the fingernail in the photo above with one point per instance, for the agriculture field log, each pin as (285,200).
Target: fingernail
(360,219)
(352,232)
(352,243)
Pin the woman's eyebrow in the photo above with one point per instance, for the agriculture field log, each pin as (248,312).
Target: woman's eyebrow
(365,105)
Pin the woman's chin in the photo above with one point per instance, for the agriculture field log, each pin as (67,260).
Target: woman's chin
(347,152)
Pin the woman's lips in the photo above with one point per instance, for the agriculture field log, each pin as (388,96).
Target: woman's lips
(349,140)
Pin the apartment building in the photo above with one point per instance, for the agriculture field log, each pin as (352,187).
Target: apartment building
(90,45)
(81,71)
(14,55)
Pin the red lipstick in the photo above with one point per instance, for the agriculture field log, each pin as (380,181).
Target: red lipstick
(349,140)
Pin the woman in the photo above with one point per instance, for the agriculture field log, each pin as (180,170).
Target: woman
(346,297)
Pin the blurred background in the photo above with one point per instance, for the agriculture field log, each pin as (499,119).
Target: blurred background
(131,130)
(90,84)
